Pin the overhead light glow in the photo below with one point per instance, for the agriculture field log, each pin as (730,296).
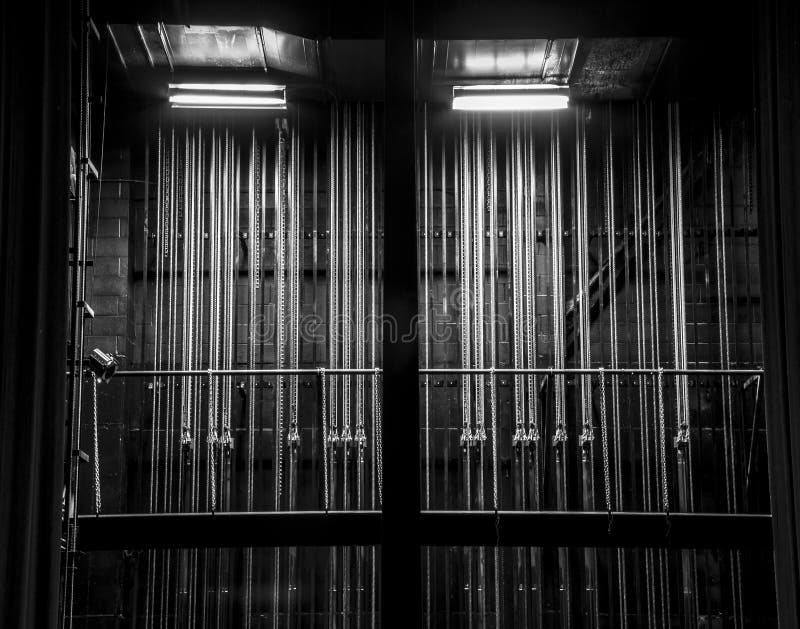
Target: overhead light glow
(227,96)
(536,97)
(227,87)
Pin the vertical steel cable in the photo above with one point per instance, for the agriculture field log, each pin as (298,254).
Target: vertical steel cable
(644,422)
(374,339)
(612,281)
(462,207)
(347,273)
(478,272)
(583,298)
(333,262)
(678,284)
(280,320)
(426,235)
(724,347)
(722,313)
(557,239)
(610,204)
(252,281)
(360,269)
(490,193)
(294,179)
(517,232)
(374,307)
(530,292)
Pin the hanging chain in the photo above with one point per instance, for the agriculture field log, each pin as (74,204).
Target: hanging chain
(493,410)
(97,498)
(378,430)
(323,378)
(212,445)
(662,428)
(604,436)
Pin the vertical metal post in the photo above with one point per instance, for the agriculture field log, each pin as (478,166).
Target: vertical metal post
(400,560)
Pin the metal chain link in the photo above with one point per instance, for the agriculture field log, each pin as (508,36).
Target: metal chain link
(493,410)
(212,443)
(97,497)
(604,434)
(662,427)
(378,431)
(324,391)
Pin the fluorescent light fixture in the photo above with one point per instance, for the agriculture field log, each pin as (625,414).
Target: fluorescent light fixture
(227,87)
(227,96)
(535,97)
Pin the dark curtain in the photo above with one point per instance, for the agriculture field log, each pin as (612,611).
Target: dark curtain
(34,180)
(778,101)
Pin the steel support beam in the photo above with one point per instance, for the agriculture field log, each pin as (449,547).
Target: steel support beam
(230,530)
(401,577)
(435,528)
(595,529)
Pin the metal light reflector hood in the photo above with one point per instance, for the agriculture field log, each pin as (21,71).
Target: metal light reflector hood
(535,97)
(227,96)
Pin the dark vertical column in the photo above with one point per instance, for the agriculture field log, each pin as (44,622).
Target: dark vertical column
(34,184)
(777,74)
(401,590)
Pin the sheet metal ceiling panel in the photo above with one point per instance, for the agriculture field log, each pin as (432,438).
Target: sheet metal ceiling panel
(164,45)
(522,59)
(618,68)
(128,43)
(291,53)
(216,46)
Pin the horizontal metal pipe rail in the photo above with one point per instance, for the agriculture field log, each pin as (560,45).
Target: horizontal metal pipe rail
(435,528)
(621,371)
(543,371)
(214,373)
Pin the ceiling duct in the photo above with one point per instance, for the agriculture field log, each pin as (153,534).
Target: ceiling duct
(528,60)
(180,46)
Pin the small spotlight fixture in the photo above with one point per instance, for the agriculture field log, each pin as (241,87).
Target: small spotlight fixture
(103,366)
(532,97)
(227,96)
